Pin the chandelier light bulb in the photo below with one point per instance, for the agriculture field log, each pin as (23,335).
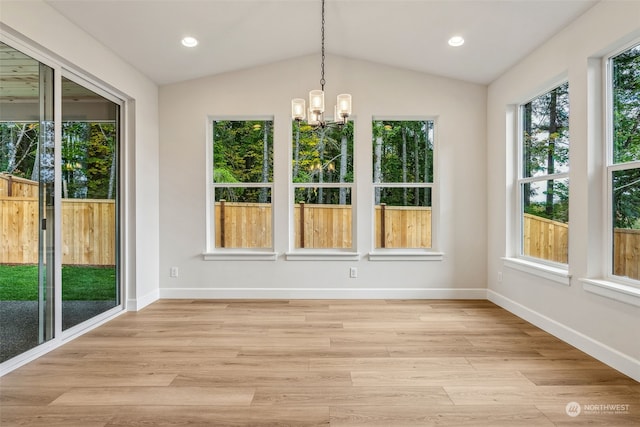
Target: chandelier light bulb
(316,101)
(298,109)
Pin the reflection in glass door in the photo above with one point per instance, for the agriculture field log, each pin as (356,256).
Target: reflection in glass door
(89,152)
(27,218)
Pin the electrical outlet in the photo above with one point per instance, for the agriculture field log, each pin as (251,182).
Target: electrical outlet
(173,272)
(353,272)
(500,276)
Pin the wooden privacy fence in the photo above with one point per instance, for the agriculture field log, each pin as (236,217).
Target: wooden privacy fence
(13,186)
(88,231)
(248,225)
(544,238)
(403,226)
(323,226)
(626,253)
(243,225)
(547,239)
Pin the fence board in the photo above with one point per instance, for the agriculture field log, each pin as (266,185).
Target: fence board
(545,239)
(13,186)
(246,225)
(404,227)
(88,231)
(325,226)
(626,253)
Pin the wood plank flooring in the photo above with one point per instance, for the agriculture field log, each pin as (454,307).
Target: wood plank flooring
(304,363)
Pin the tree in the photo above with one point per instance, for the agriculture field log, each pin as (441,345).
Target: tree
(546,152)
(18,148)
(626,138)
(322,155)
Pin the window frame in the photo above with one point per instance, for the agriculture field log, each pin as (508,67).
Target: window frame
(409,254)
(610,167)
(213,253)
(556,271)
(296,253)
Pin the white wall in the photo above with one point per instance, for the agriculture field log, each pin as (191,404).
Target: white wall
(39,25)
(606,328)
(377,91)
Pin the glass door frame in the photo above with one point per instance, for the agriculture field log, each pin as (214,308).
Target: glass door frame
(120,211)
(59,70)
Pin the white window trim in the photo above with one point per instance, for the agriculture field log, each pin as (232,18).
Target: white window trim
(628,294)
(329,254)
(211,253)
(556,272)
(412,254)
(610,286)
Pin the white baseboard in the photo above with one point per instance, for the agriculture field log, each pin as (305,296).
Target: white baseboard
(136,304)
(322,293)
(617,360)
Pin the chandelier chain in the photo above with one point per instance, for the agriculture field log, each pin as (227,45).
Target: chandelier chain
(322,80)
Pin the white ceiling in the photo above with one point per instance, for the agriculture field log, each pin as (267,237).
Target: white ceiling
(237,34)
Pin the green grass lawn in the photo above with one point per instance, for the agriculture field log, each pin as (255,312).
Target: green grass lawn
(79,283)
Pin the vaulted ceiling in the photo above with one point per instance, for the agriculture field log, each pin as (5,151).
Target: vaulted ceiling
(237,34)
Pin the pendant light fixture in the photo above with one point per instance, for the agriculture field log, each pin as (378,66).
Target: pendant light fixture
(342,109)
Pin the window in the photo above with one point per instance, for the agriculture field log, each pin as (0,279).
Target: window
(323,186)
(623,168)
(403,183)
(544,176)
(242,183)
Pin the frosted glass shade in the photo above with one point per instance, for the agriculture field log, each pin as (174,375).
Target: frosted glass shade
(337,117)
(314,118)
(316,101)
(343,105)
(298,109)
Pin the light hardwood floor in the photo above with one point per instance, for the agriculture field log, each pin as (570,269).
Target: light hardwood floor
(391,363)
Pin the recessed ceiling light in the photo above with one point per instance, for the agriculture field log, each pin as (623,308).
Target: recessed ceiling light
(189,42)
(456,41)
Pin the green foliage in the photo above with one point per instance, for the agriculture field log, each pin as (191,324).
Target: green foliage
(242,153)
(18,148)
(238,150)
(87,159)
(20,283)
(545,153)
(322,155)
(626,137)
(403,153)
(99,159)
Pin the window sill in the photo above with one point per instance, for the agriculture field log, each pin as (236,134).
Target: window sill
(322,256)
(240,256)
(555,274)
(393,255)
(616,291)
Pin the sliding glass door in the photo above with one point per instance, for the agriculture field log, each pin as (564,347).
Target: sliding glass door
(59,203)
(89,161)
(27,214)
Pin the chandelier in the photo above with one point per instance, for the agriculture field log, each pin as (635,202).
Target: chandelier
(342,109)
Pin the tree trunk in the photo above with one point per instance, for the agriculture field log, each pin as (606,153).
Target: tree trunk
(296,152)
(265,163)
(13,148)
(553,129)
(526,155)
(321,168)
(404,165)
(377,166)
(416,168)
(343,168)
